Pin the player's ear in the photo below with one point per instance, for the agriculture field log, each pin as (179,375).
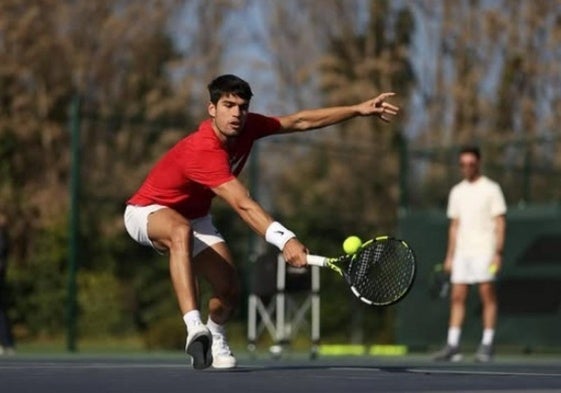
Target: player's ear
(211,109)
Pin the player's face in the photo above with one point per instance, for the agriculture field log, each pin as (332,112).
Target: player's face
(469,165)
(228,115)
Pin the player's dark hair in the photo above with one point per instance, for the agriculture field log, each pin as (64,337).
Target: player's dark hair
(229,84)
(471,150)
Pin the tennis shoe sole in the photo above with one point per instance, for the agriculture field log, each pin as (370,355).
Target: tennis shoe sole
(200,350)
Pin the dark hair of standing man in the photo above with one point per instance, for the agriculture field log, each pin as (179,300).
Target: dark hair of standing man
(471,150)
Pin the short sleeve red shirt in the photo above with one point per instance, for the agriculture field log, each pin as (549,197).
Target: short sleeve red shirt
(183,178)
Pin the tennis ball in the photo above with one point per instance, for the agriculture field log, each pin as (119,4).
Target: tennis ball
(352,244)
(493,268)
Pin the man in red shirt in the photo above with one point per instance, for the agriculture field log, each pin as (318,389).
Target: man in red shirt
(170,211)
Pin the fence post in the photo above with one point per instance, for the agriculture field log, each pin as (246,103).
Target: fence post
(73,229)
(403,172)
(526,179)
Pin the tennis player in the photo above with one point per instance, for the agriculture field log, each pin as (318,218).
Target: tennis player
(170,210)
(476,209)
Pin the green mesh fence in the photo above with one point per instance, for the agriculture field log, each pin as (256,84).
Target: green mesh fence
(529,286)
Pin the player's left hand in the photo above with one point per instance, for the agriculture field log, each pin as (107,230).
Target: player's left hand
(496,264)
(379,107)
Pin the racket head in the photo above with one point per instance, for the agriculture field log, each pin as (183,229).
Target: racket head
(382,271)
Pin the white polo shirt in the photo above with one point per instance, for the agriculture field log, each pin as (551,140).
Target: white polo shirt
(476,205)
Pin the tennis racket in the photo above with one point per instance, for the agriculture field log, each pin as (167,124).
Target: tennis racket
(380,273)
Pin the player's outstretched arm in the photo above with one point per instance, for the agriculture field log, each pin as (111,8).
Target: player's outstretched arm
(318,118)
(237,196)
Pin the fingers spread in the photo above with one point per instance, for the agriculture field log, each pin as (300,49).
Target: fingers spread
(390,108)
(389,94)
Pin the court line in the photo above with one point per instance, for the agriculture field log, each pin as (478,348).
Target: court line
(336,368)
(476,372)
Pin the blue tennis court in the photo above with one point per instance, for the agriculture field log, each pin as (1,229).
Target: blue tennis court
(171,374)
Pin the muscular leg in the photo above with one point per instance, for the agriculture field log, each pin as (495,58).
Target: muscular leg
(458,304)
(169,230)
(216,266)
(489,303)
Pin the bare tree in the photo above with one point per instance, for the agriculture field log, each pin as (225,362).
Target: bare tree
(488,73)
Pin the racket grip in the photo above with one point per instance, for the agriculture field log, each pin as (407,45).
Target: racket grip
(316,260)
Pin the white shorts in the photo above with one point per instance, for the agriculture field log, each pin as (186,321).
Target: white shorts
(136,223)
(471,269)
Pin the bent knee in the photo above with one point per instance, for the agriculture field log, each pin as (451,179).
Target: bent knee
(180,237)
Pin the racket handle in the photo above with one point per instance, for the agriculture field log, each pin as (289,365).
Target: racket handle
(316,260)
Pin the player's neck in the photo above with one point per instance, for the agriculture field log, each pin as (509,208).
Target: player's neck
(226,140)
(474,178)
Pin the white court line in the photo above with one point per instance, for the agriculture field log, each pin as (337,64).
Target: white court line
(475,372)
(355,368)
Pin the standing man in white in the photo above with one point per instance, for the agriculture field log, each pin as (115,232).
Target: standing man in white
(476,209)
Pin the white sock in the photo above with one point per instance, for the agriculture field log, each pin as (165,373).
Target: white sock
(454,334)
(488,335)
(192,318)
(214,327)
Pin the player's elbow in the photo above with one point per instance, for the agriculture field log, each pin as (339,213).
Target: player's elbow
(297,122)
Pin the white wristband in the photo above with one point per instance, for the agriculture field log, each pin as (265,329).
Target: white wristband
(277,235)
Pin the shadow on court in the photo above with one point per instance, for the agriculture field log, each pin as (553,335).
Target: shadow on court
(121,374)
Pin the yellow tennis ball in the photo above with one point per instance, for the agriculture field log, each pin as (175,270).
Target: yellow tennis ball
(352,244)
(493,269)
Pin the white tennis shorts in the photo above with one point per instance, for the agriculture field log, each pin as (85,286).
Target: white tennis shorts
(136,223)
(471,269)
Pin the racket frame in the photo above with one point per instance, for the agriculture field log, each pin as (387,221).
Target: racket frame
(333,264)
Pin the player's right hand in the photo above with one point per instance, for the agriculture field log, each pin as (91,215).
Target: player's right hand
(447,265)
(294,253)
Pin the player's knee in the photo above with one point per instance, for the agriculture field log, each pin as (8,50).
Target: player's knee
(180,236)
(457,297)
(488,298)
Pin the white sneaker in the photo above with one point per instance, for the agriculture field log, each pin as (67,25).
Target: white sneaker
(448,354)
(198,346)
(221,353)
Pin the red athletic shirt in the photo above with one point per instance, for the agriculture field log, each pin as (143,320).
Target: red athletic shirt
(182,179)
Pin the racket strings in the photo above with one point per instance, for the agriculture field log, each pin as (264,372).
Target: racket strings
(383,271)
